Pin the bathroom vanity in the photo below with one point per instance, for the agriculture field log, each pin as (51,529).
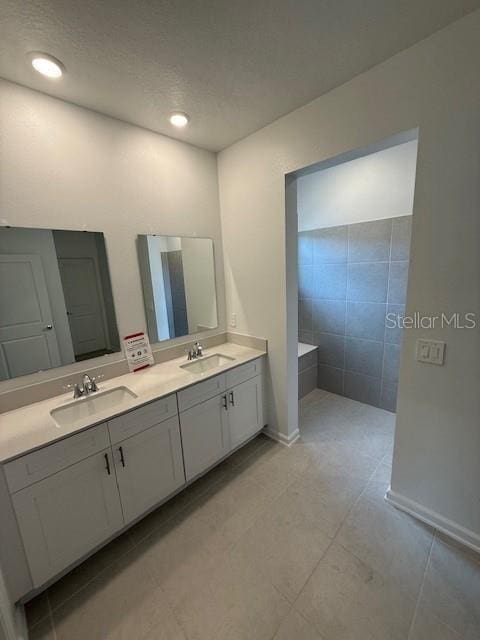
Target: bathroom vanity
(76,473)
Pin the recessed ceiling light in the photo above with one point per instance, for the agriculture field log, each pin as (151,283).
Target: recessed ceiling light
(46,64)
(179,119)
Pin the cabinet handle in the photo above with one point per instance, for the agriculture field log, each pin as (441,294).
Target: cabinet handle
(232,399)
(225,403)
(107,463)
(122,459)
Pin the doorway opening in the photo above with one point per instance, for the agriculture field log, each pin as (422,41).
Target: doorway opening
(354,220)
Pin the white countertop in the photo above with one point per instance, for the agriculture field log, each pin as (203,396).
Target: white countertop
(32,426)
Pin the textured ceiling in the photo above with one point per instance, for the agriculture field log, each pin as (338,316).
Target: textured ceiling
(233,65)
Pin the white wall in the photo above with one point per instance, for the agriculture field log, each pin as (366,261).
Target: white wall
(433,85)
(66,167)
(375,186)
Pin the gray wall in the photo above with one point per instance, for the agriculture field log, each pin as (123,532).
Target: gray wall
(350,277)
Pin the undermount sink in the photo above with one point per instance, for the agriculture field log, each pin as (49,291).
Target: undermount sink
(88,406)
(206,363)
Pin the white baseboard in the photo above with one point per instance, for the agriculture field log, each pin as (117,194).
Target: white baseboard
(280,437)
(448,527)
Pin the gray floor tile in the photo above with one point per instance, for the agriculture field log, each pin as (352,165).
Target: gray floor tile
(452,586)
(347,599)
(393,543)
(426,626)
(44,630)
(66,587)
(296,627)
(287,541)
(124,602)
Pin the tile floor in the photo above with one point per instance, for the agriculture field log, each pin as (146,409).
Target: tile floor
(278,544)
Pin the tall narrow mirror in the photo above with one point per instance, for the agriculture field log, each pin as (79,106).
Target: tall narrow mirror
(56,303)
(178,278)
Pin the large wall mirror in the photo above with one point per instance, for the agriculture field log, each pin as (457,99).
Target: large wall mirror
(178,278)
(56,303)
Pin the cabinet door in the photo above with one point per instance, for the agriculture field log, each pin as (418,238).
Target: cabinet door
(149,467)
(66,515)
(205,436)
(245,412)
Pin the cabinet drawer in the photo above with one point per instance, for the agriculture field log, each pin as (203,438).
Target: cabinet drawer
(244,372)
(142,418)
(45,462)
(201,391)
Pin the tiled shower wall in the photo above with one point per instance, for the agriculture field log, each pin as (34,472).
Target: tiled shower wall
(350,277)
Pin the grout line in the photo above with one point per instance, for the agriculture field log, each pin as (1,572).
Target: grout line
(386,311)
(420,591)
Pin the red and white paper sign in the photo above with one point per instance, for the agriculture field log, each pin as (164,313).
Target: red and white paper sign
(138,351)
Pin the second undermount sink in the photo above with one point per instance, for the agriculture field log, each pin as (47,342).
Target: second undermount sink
(206,363)
(88,406)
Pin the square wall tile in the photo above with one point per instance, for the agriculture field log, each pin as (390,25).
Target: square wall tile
(362,388)
(330,379)
(364,356)
(330,245)
(391,363)
(397,282)
(369,241)
(331,349)
(330,281)
(305,282)
(308,360)
(305,246)
(401,237)
(307,381)
(305,314)
(388,397)
(367,282)
(306,337)
(393,327)
(365,320)
(328,316)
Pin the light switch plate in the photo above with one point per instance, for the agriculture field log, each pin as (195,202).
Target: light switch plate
(430,351)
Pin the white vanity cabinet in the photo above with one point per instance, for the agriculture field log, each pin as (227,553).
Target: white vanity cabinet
(245,411)
(64,516)
(214,427)
(149,467)
(205,435)
(71,496)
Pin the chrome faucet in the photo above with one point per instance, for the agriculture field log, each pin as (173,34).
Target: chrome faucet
(195,352)
(87,386)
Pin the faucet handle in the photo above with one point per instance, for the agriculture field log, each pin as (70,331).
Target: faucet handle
(94,386)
